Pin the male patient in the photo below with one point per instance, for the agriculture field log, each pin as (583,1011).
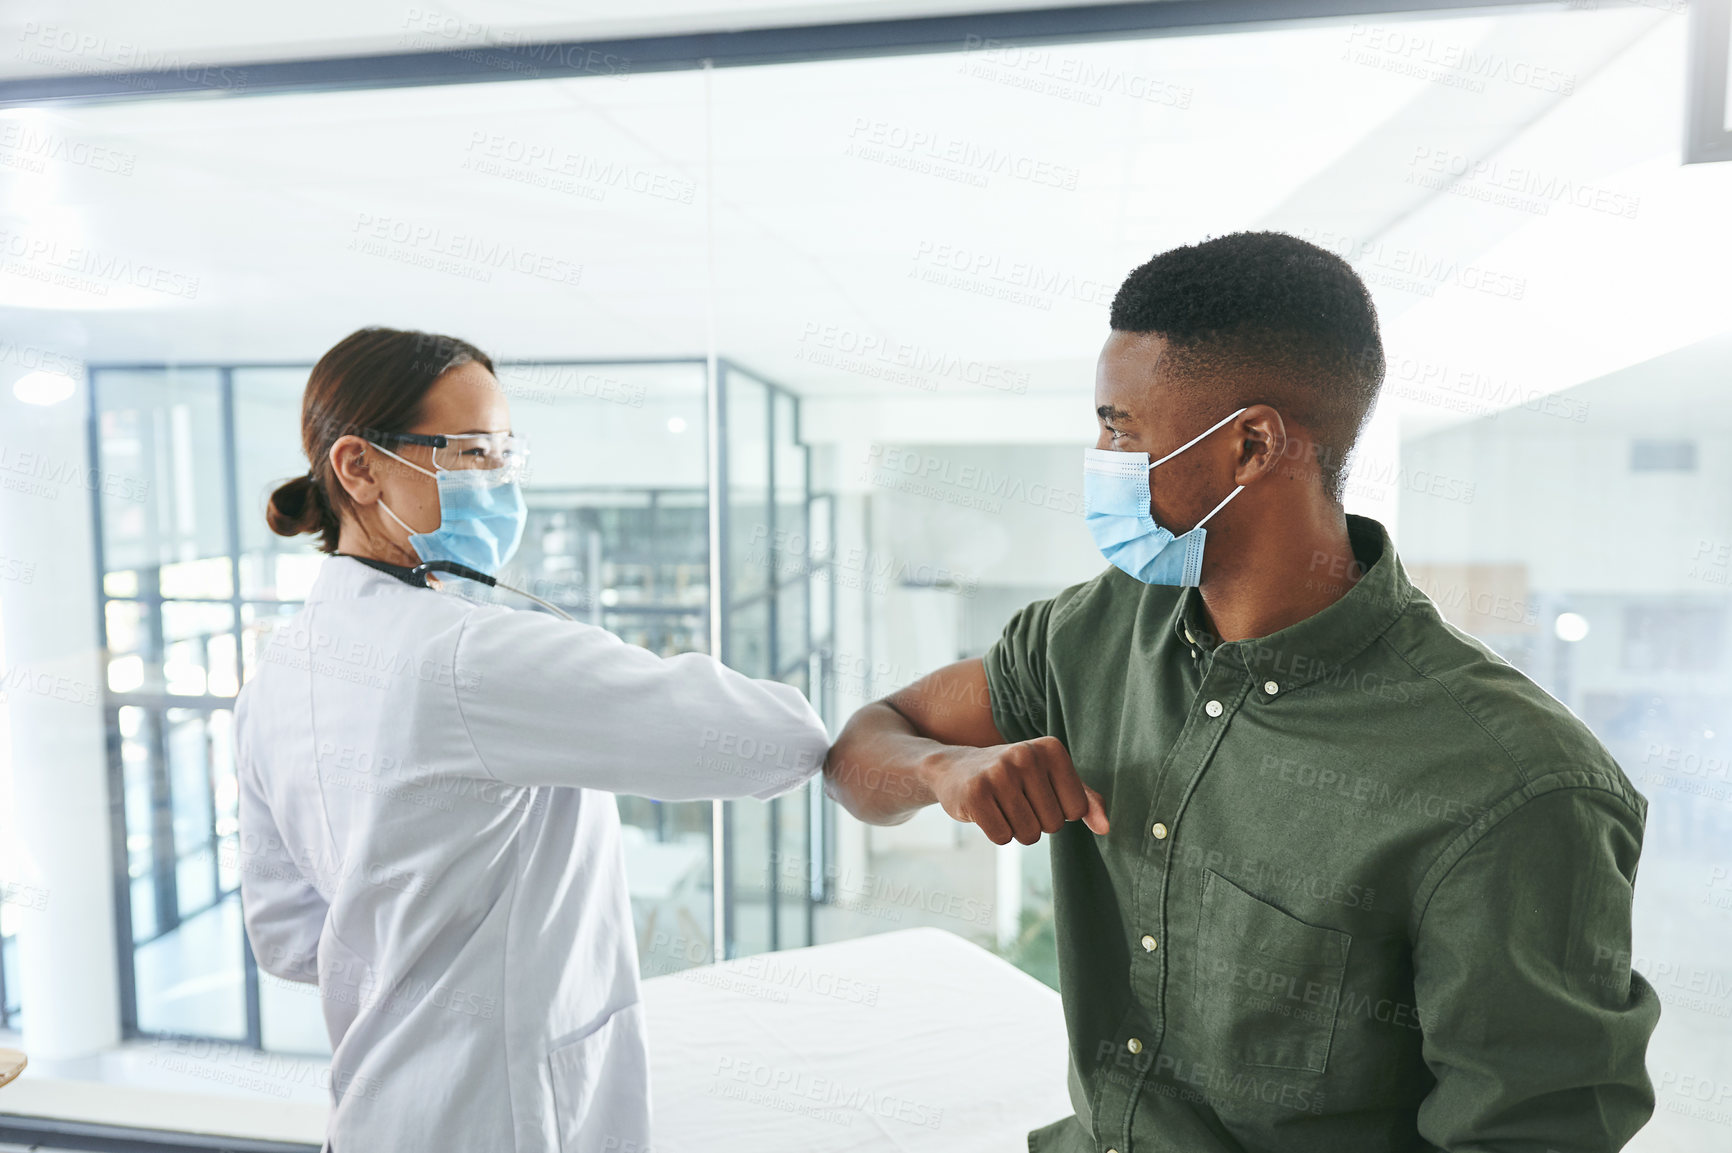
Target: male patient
(1328,874)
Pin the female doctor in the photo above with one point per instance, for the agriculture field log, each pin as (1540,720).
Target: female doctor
(427,825)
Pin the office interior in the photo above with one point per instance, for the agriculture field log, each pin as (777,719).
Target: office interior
(804,349)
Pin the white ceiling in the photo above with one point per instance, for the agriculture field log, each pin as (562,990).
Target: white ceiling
(832,230)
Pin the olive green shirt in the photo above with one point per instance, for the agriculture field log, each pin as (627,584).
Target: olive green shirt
(1367,886)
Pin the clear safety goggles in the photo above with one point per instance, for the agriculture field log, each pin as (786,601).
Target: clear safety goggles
(455,452)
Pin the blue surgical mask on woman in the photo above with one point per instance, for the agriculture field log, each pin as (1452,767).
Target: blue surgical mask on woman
(1116,509)
(481,516)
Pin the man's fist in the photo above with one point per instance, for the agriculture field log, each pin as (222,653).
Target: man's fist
(1019,790)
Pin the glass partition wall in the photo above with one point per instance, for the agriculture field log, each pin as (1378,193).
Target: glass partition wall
(774,570)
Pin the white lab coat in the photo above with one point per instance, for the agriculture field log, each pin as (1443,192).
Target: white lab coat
(427,831)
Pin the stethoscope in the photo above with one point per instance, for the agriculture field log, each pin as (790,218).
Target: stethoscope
(467,573)
(417,577)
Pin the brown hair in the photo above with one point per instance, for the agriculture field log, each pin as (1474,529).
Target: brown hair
(370,383)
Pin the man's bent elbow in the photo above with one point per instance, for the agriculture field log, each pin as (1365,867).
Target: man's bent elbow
(870,792)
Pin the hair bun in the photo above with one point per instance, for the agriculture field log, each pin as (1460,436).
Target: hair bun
(295,507)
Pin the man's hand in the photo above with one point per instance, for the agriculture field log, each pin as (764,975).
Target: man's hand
(935,742)
(1019,790)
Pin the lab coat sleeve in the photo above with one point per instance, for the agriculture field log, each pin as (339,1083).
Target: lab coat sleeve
(284,914)
(552,702)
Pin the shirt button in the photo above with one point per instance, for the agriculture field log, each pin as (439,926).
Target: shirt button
(1213,708)
(1148,945)
(1160,831)
(1134,1045)
(1271,687)
(1189,637)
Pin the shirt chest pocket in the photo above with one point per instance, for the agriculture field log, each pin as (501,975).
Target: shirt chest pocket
(1266,984)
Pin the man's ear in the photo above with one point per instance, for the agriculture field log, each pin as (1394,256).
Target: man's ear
(352,460)
(1263,443)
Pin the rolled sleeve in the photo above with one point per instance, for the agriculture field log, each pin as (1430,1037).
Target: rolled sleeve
(1016,674)
(1535,1026)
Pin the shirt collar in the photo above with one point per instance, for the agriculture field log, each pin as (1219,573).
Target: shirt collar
(1322,643)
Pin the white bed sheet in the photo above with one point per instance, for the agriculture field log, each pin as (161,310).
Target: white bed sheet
(907,1041)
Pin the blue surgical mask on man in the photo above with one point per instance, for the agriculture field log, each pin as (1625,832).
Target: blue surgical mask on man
(1116,510)
(481,517)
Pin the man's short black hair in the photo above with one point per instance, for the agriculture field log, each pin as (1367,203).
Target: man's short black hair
(1265,318)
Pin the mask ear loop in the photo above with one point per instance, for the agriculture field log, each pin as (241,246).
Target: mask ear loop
(1219,423)
(418,469)
(1217,508)
(1224,420)
(435,475)
(396,518)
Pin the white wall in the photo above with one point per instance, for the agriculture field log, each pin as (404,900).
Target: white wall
(59,866)
(1551,484)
